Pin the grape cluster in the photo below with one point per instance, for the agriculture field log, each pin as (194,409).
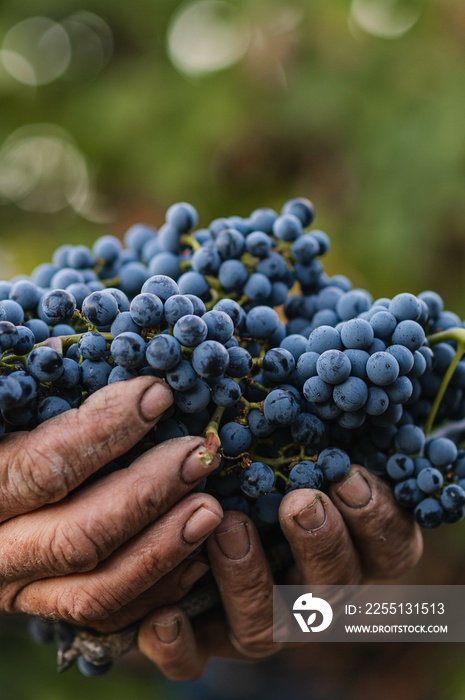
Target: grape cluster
(292,398)
(293,374)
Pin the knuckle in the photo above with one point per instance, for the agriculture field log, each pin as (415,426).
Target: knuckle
(72,549)
(86,607)
(35,478)
(111,422)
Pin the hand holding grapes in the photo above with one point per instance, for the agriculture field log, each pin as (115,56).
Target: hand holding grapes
(96,553)
(356,534)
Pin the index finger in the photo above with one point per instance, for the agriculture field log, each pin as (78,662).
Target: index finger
(43,466)
(388,539)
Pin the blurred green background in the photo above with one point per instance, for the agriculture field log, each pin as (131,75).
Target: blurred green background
(112,111)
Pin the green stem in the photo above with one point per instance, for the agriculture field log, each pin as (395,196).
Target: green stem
(458,335)
(188,239)
(213,442)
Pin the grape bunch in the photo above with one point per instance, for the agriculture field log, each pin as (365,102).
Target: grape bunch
(291,373)
(292,398)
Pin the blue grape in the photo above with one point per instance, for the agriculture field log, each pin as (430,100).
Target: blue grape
(50,407)
(407,493)
(95,374)
(452,497)
(258,244)
(239,363)
(333,366)
(430,479)
(281,407)
(11,311)
(164,263)
(128,350)
(306,475)
(146,310)
(44,364)
(352,304)
(287,227)
(410,439)
(25,342)
(210,359)
(26,294)
(195,399)
(137,236)
(232,275)
(357,334)
(194,283)
(160,285)
(92,670)
(190,330)
(405,306)
(400,467)
(71,375)
(257,480)
(100,308)
(351,395)
(441,451)
(324,338)
(383,324)
(279,364)
(220,325)
(334,463)
(206,261)
(163,352)
(382,368)
(226,392)
(262,321)
(410,334)
(124,323)
(316,390)
(39,328)
(302,208)
(429,513)
(182,376)
(400,390)
(235,438)
(259,425)
(182,216)
(176,307)
(404,357)
(92,346)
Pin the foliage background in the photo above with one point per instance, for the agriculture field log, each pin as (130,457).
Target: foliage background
(359,105)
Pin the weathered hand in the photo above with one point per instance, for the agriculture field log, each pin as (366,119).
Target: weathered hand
(356,534)
(84,555)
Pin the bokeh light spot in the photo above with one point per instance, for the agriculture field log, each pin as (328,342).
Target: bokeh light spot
(208,36)
(388,19)
(36,51)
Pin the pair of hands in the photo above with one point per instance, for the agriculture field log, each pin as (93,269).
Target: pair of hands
(117,550)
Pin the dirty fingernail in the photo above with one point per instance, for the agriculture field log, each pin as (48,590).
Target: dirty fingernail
(155,400)
(313,516)
(355,492)
(201,523)
(234,542)
(167,632)
(198,464)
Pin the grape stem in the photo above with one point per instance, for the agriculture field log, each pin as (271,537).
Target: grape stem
(456,335)
(213,442)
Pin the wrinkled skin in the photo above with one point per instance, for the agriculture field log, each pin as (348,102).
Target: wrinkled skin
(115,550)
(106,554)
(356,534)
